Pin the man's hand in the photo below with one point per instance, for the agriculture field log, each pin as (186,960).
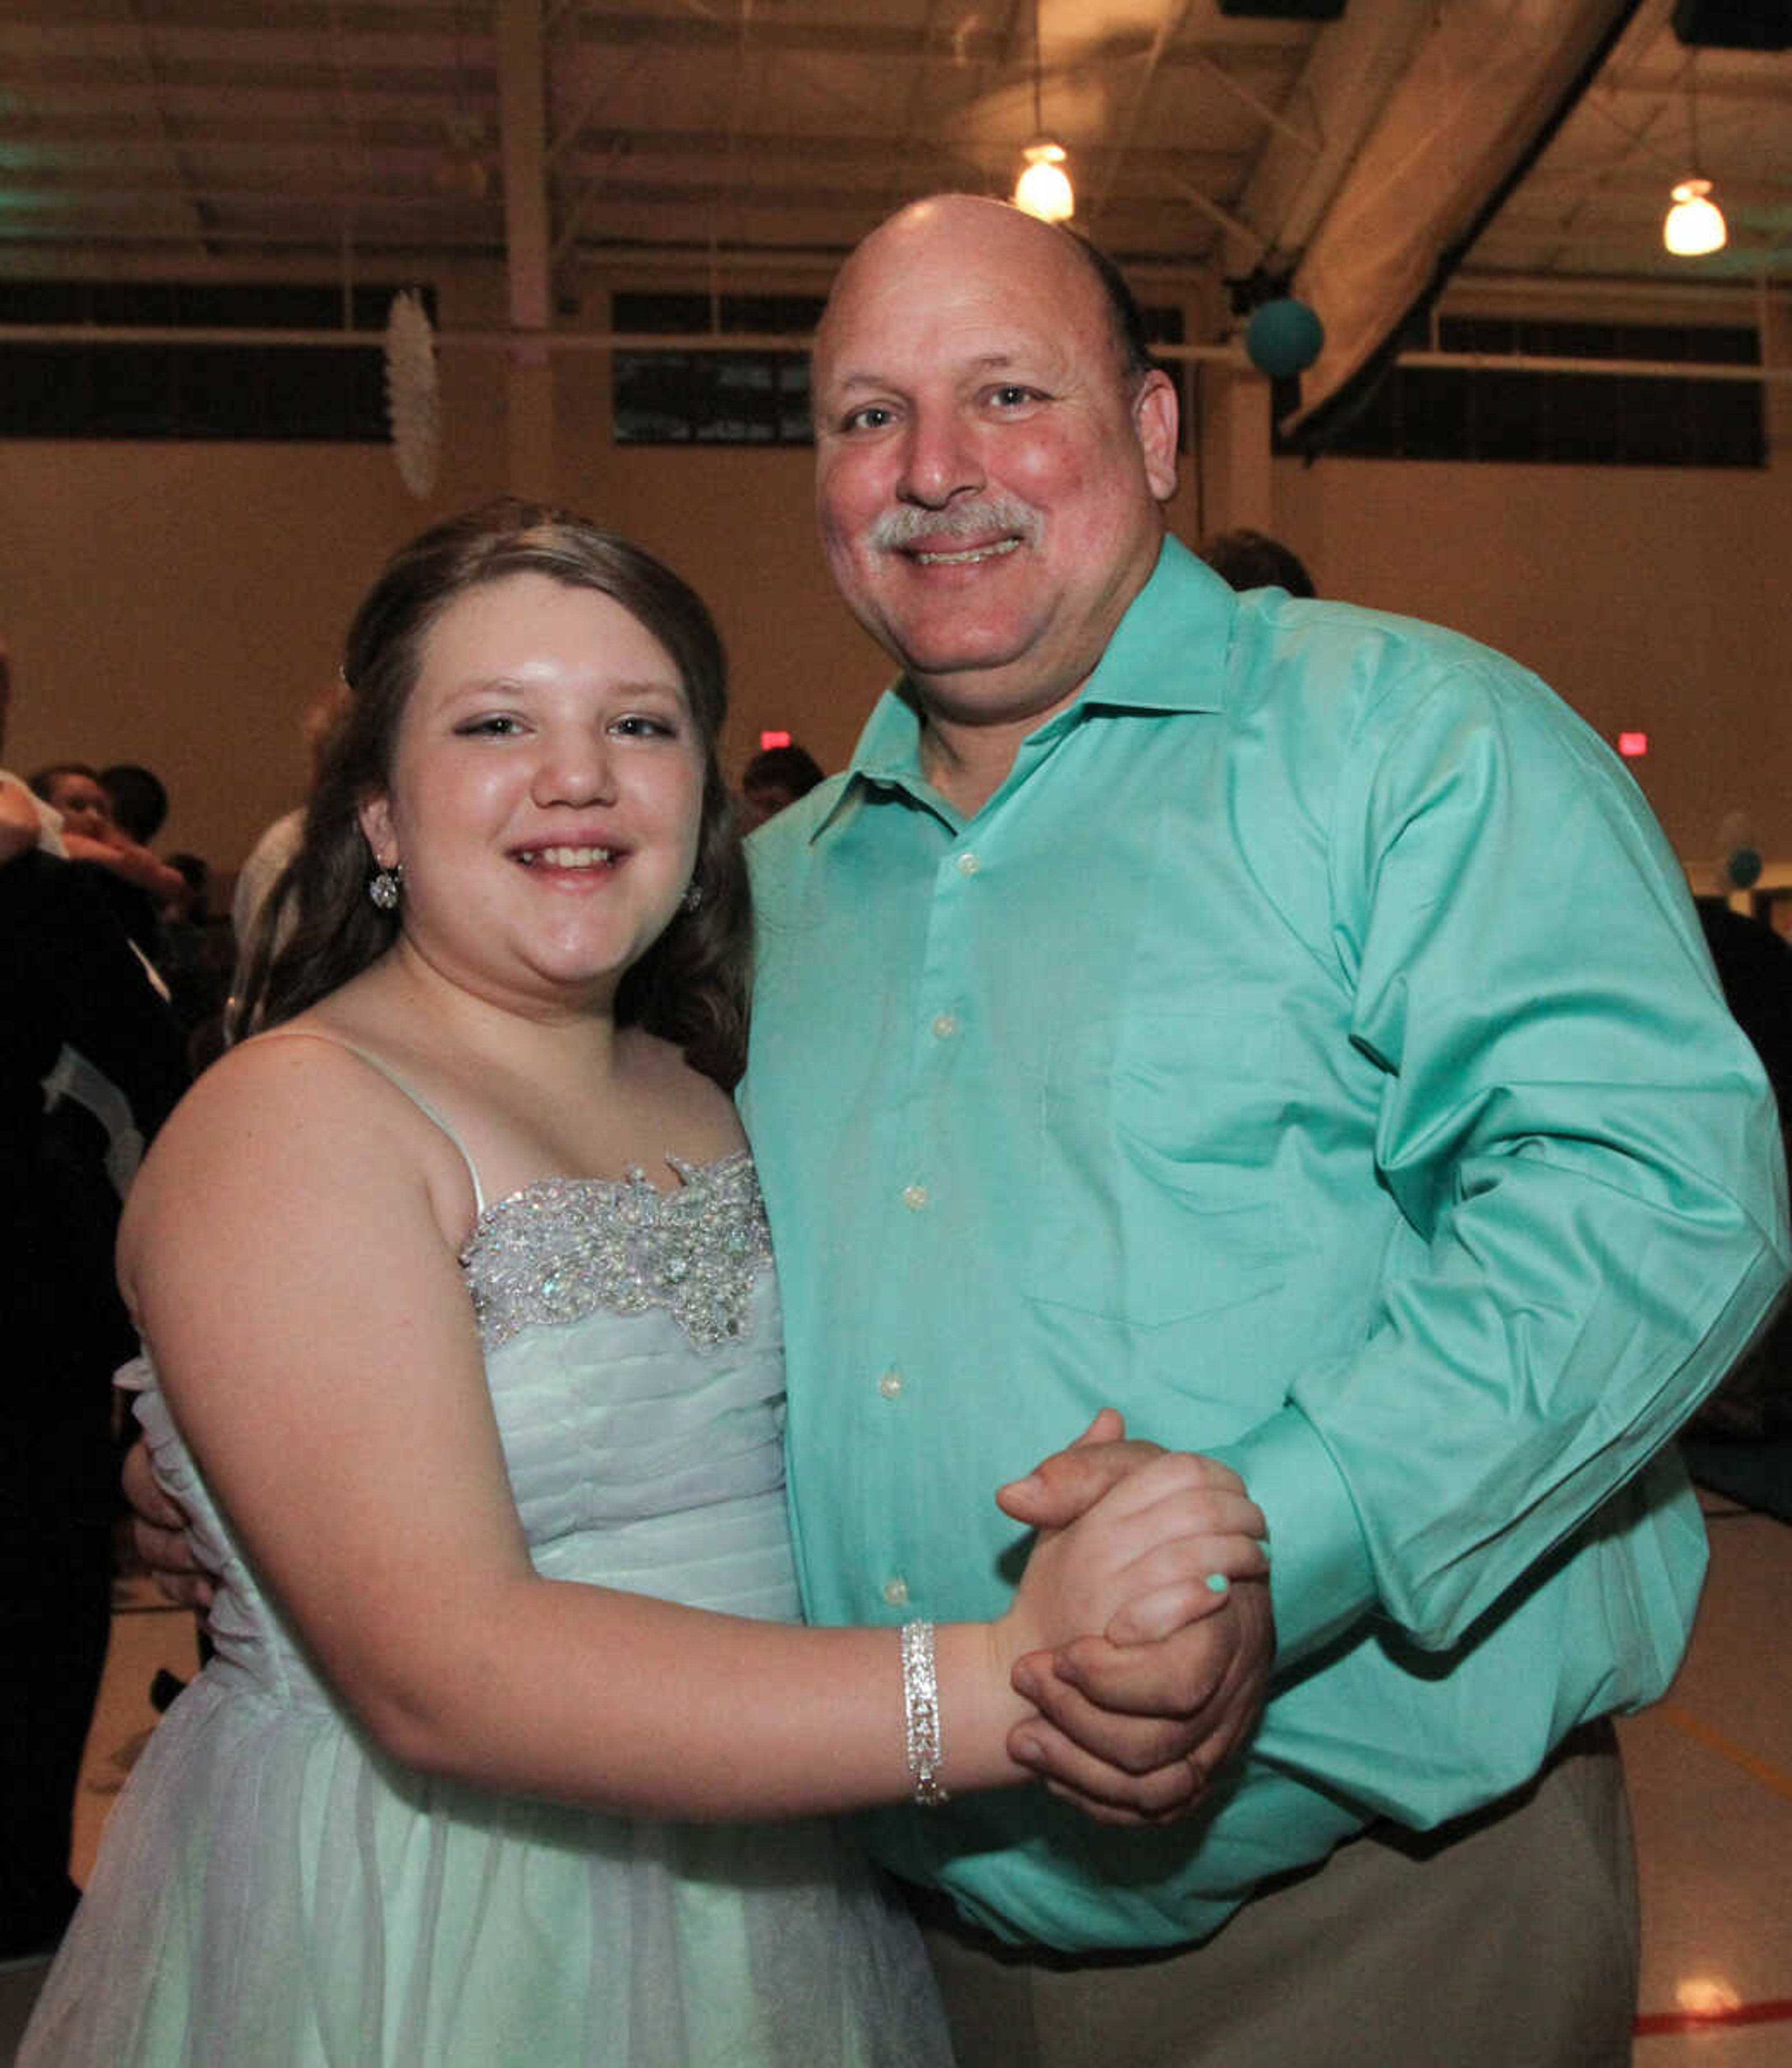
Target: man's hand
(1174,1709)
(158,1530)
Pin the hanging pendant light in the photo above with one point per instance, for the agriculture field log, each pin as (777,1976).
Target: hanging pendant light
(1043,188)
(1695,224)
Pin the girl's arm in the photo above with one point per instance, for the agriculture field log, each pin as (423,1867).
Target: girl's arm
(124,858)
(19,824)
(285,1248)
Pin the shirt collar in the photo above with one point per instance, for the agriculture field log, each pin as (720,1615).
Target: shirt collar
(1167,654)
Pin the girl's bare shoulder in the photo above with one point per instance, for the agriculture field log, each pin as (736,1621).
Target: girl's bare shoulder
(276,1084)
(285,1119)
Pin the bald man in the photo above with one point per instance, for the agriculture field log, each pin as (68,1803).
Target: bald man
(1176,1004)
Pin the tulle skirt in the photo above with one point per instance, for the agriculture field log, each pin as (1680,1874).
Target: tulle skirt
(273,1893)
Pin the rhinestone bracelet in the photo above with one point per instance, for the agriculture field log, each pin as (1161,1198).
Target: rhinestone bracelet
(921,1713)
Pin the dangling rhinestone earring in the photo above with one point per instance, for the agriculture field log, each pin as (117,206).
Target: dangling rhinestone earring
(693,897)
(384,886)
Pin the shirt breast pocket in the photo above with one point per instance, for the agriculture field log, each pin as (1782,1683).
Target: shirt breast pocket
(1156,1179)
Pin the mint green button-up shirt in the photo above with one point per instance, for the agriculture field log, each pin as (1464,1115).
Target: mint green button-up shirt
(1309,1049)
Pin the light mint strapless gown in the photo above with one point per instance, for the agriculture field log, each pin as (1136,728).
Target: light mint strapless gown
(274,1890)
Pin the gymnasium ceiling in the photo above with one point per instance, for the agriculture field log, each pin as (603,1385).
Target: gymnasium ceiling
(213,137)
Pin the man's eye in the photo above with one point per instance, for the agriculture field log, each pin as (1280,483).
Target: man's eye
(873,417)
(1011,395)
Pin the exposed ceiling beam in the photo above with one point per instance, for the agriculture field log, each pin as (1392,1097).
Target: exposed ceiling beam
(1176,13)
(981,40)
(167,149)
(523,138)
(1234,226)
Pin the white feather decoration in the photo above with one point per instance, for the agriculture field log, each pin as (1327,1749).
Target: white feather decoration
(413,407)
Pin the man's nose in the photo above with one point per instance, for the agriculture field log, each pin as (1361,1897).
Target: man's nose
(940,460)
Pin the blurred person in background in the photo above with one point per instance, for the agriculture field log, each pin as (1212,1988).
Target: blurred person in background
(1245,558)
(773,780)
(146,886)
(139,800)
(90,1064)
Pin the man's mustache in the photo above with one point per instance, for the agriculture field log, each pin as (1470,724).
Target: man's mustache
(1006,514)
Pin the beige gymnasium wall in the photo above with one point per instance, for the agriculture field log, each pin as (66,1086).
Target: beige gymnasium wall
(1654,600)
(178,605)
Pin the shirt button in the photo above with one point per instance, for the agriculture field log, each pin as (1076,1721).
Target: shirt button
(968,865)
(895,1592)
(915,1197)
(890,1386)
(945,1026)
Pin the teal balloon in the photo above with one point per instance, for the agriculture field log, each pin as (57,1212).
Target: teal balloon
(1744,867)
(1283,337)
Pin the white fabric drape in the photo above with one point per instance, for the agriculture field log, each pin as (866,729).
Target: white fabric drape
(1480,86)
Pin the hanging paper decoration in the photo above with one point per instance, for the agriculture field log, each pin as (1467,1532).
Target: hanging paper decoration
(413,408)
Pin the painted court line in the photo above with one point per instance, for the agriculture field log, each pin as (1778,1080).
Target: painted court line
(1770,1776)
(1775,2011)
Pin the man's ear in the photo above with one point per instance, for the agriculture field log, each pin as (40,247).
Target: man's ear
(1156,413)
(375,814)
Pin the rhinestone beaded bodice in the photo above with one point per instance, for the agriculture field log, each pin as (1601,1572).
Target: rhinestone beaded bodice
(566,1247)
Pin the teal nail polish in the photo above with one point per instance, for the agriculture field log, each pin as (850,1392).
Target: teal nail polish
(1217,1583)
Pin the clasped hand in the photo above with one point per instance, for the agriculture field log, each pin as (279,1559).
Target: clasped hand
(1157,1558)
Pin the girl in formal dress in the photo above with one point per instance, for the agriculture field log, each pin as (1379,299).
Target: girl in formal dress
(462,1355)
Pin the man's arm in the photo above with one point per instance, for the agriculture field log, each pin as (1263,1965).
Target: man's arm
(1583,1150)
(1585,1162)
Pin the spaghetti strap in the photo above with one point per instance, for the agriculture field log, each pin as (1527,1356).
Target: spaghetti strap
(385,1070)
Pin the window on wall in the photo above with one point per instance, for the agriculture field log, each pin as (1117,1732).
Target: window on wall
(1572,419)
(721,395)
(735,396)
(94,390)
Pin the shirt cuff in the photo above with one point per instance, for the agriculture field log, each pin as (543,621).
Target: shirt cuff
(1321,1580)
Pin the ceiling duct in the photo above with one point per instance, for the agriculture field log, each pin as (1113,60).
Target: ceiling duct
(1731,24)
(1284,10)
(1487,88)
